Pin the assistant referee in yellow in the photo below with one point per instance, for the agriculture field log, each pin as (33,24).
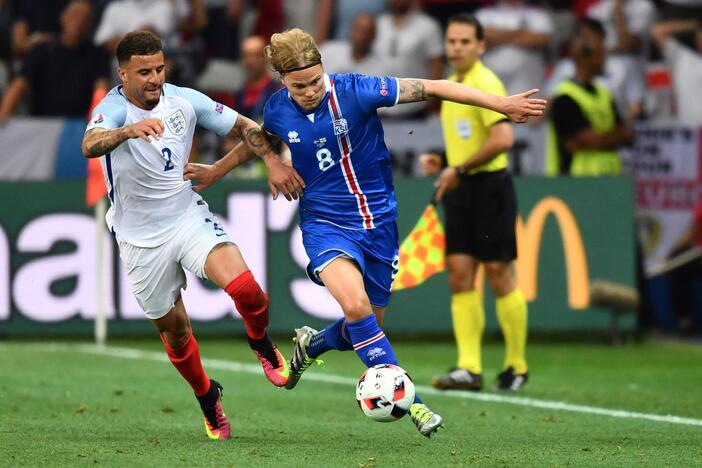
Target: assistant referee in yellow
(480,211)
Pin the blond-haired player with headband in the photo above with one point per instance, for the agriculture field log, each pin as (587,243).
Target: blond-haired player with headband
(348,207)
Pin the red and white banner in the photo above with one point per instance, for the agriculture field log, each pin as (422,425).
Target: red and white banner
(666,161)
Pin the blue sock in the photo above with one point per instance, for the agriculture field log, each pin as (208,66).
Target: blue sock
(371,345)
(370,342)
(334,336)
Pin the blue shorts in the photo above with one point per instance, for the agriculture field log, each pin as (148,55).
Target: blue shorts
(375,251)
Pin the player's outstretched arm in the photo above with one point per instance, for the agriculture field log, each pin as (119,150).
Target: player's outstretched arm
(517,107)
(99,141)
(281,177)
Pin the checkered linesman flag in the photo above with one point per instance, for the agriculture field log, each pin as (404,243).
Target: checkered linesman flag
(422,251)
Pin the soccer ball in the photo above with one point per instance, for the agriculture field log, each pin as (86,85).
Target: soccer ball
(385,392)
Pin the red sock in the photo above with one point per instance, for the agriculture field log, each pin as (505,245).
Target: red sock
(187,360)
(251,302)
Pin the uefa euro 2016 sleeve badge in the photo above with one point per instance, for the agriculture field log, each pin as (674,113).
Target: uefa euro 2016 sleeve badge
(340,127)
(176,122)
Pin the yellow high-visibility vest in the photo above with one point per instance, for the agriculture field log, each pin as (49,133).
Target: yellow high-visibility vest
(598,110)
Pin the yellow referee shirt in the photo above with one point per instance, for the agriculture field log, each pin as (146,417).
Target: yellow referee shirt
(467,127)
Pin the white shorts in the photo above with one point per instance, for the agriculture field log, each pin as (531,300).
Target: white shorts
(157,274)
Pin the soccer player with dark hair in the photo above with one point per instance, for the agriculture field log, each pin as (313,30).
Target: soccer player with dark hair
(348,211)
(145,129)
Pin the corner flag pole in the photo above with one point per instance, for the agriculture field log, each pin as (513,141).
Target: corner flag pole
(95,196)
(100,315)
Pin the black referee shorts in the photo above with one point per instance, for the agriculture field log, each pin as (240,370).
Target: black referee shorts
(480,217)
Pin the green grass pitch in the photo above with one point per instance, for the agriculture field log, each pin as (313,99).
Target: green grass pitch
(68,406)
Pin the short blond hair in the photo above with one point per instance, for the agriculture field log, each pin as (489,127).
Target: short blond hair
(292,50)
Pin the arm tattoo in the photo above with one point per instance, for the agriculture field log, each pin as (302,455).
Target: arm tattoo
(98,142)
(412,91)
(257,141)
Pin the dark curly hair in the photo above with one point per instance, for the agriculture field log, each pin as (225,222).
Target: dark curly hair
(138,43)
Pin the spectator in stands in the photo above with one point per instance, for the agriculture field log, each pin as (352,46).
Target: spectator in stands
(63,73)
(516,36)
(6,15)
(442,10)
(258,83)
(222,32)
(265,17)
(346,12)
(122,16)
(258,86)
(688,277)
(310,15)
(626,23)
(356,54)
(36,21)
(685,66)
(196,19)
(681,9)
(269,18)
(585,127)
(409,42)
(186,48)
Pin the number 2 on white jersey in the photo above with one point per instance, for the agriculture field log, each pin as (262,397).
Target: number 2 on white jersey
(324,157)
(167,155)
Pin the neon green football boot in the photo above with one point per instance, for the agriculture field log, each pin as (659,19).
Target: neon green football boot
(427,421)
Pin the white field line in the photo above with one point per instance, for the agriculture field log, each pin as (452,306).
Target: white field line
(131,353)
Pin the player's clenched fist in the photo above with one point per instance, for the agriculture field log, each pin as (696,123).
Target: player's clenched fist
(285,179)
(144,129)
(203,174)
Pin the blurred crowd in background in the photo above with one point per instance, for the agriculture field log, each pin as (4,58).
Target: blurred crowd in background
(54,54)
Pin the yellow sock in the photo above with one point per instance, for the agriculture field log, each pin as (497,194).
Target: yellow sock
(512,315)
(468,324)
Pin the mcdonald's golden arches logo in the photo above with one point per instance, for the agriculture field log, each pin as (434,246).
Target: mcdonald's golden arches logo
(529,236)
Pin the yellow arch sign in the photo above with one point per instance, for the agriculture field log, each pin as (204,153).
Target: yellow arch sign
(529,245)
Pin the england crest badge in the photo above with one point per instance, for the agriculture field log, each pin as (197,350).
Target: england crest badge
(176,122)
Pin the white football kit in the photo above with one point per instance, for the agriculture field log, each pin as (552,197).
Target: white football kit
(160,223)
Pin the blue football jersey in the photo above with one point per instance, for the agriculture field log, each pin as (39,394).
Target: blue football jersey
(339,150)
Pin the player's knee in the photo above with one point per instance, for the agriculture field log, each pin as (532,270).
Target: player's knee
(356,308)
(176,339)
